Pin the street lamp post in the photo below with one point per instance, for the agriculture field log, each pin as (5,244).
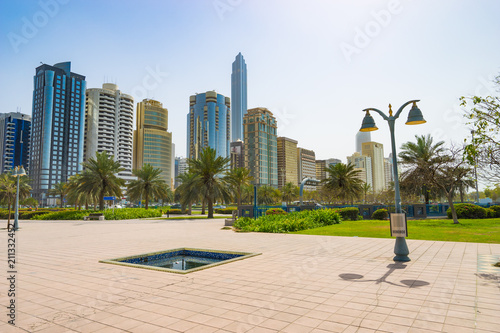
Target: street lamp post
(18,173)
(414,118)
(475,169)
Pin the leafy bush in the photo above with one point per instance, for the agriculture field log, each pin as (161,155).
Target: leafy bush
(490,213)
(349,213)
(275,211)
(496,209)
(295,221)
(380,214)
(175,211)
(468,211)
(27,215)
(118,214)
(227,210)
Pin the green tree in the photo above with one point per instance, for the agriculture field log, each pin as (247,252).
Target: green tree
(187,191)
(210,180)
(148,185)
(266,195)
(289,192)
(8,190)
(367,188)
(344,181)
(239,178)
(416,157)
(100,177)
(30,202)
(483,147)
(59,189)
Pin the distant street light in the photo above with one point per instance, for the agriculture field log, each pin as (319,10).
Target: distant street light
(18,173)
(414,118)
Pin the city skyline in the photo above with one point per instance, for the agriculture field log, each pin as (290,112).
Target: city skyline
(314,66)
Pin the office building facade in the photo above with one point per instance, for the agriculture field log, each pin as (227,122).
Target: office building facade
(57,128)
(15,131)
(109,126)
(306,167)
(208,124)
(237,154)
(152,141)
(238,97)
(375,151)
(287,161)
(364,165)
(362,137)
(321,166)
(261,151)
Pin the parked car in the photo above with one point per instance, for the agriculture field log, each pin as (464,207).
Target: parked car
(176,206)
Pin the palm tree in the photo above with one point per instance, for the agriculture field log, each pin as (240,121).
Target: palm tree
(417,157)
(100,177)
(187,190)
(239,178)
(366,189)
(289,192)
(8,190)
(344,180)
(149,185)
(266,195)
(209,169)
(59,189)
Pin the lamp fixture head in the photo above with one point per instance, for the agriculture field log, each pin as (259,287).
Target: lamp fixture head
(415,116)
(368,124)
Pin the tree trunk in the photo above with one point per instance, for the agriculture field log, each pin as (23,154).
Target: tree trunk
(8,217)
(101,200)
(461,194)
(190,208)
(147,200)
(239,196)
(203,202)
(62,197)
(449,196)
(210,209)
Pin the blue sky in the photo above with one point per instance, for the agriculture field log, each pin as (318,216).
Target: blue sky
(314,64)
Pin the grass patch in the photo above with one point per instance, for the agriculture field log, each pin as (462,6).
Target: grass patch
(469,230)
(204,217)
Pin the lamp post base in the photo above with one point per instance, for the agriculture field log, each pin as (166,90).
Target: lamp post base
(401,250)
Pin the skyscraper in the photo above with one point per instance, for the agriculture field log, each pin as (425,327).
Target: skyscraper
(58,122)
(108,126)
(362,137)
(237,154)
(321,166)
(208,124)
(375,151)
(238,97)
(152,141)
(364,165)
(15,131)
(306,166)
(287,161)
(261,152)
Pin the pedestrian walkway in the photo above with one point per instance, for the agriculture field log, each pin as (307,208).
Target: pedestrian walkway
(300,283)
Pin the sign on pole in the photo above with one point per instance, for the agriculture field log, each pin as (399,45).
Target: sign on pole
(109,198)
(398,225)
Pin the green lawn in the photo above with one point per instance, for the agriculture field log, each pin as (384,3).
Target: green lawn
(477,231)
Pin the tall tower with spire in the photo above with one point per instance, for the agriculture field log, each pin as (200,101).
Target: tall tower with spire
(238,97)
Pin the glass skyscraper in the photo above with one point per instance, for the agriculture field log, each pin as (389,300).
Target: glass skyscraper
(58,120)
(238,97)
(15,130)
(208,124)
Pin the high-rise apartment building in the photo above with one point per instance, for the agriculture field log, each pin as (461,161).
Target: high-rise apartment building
(321,166)
(15,131)
(181,167)
(109,126)
(306,167)
(57,128)
(152,141)
(287,161)
(364,165)
(208,124)
(238,97)
(375,151)
(261,152)
(362,137)
(237,154)
(388,172)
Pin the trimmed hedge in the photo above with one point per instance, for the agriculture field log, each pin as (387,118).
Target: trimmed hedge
(227,210)
(277,223)
(174,211)
(275,211)
(118,214)
(496,209)
(468,211)
(380,214)
(349,213)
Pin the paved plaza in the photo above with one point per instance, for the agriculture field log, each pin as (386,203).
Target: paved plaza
(298,284)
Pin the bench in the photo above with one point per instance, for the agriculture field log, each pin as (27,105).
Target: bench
(94,216)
